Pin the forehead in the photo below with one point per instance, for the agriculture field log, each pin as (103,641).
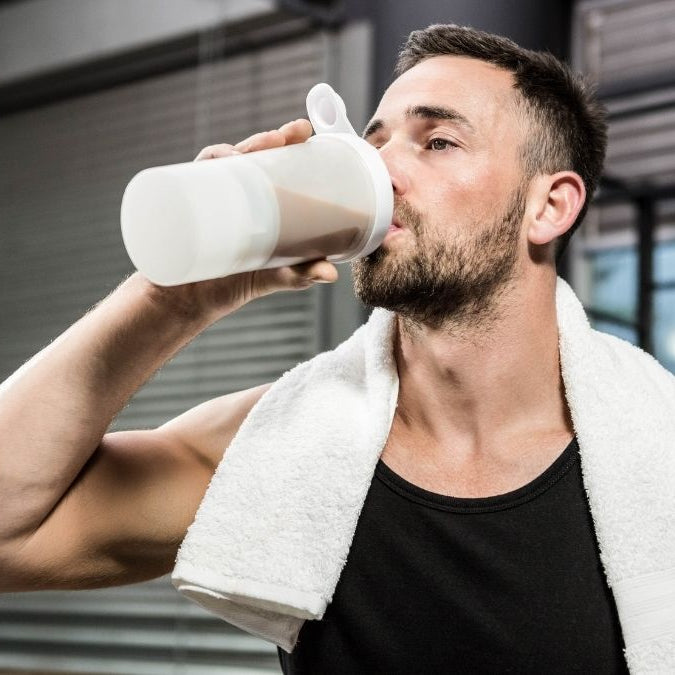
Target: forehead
(481,92)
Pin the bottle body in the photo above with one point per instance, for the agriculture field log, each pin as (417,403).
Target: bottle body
(202,220)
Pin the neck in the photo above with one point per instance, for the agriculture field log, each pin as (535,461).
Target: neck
(483,386)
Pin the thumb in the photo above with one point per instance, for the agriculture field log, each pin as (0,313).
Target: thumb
(295,277)
(320,271)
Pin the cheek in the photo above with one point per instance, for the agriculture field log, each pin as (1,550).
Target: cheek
(461,201)
(485,192)
(469,194)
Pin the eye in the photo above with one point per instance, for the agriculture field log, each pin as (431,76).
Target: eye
(441,144)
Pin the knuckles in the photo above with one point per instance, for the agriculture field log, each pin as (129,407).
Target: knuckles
(287,133)
(215,151)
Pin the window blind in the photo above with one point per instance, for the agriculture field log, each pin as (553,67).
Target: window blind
(627,48)
(625,41)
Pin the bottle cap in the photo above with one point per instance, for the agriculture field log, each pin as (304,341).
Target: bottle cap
(328,116)
(327,111)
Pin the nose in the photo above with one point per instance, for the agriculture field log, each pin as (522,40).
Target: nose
(396,167)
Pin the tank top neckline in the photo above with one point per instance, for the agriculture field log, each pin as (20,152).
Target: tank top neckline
(562,464)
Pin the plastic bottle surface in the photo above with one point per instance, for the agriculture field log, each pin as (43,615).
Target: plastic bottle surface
(330,197)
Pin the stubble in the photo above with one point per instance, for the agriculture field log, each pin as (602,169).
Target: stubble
(451,282)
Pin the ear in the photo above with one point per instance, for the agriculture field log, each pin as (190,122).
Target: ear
(556,201)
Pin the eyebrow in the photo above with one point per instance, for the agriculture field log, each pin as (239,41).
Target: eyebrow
(427,112)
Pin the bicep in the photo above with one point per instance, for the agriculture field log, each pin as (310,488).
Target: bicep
(121,520)
(124,517)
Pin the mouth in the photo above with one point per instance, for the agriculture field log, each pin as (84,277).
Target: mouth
(394,228)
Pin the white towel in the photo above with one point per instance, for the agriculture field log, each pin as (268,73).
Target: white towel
(273,531)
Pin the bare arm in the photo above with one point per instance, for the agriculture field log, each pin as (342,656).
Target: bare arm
(123,518)
(55,410)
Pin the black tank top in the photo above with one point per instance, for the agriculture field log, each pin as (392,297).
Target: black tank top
(437,584)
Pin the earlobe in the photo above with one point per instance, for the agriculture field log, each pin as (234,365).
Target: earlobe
(559,198)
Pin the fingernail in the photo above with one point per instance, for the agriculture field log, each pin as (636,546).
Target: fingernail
(322,281)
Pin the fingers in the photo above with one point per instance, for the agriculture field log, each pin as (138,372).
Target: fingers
(215,151)
(261,141)
(297,131)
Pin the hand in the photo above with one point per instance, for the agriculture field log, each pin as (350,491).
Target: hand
(217,297)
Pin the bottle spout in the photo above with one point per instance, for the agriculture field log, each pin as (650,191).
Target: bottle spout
(327,111)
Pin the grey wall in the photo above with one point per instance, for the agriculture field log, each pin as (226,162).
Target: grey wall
(42,35)
(536,24)
(39,35)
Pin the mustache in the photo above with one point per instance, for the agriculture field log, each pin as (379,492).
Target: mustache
(407,215)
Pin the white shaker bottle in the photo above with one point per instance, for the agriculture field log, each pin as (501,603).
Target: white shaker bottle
(330,197)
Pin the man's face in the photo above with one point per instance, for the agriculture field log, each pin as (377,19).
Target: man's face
(449,132)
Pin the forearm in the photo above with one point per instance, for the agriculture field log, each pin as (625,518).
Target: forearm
(55,409)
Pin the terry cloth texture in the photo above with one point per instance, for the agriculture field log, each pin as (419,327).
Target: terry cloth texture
(272,534)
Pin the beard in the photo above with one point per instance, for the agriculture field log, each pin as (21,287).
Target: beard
(455,282)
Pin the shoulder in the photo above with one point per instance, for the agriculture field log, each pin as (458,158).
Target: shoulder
(208,428)
(631,356)
(637,369)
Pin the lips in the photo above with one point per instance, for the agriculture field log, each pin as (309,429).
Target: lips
(394,226)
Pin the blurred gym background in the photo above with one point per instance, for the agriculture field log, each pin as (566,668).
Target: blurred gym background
(93,91)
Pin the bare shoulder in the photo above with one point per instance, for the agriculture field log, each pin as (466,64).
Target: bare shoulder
(207,429)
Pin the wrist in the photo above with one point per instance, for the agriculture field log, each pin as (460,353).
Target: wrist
(184,303)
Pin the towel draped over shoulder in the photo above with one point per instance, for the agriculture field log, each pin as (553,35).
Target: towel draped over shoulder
(272,533)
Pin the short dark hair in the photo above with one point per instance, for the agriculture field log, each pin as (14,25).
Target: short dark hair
(568,122)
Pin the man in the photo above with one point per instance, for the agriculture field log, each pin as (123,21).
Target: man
(475,549)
